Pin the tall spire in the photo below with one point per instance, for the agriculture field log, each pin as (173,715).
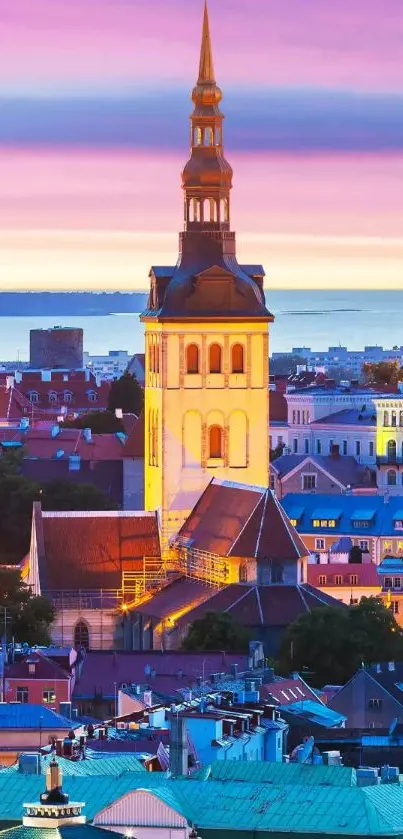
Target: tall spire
(206,67)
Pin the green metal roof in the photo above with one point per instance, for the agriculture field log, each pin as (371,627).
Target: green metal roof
(284,806)
(79,831)
(114,765)
(263,772)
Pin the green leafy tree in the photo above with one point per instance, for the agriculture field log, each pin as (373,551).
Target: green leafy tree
(286,364)
(355,555)
(331,643)
(16,497)
(217,631)
(277,452)
(382,373)
(100,422)
(23,615)
(126,393)
(66,495)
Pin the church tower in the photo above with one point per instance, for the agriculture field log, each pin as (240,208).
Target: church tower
(206,335)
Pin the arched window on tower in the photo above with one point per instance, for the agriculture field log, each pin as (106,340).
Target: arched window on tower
(237,359)
(197,136)
(194,214)
(215,442)
(386,418)
(81,635)
(215,358)
(218,136)
(208,136)
(192,358)
(394,419)
(392,451)
(224,210)
(209,210)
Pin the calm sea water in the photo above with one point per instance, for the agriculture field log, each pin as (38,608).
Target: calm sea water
(315,319)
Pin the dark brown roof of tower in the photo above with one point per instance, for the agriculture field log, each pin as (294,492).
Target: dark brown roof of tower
(236,520)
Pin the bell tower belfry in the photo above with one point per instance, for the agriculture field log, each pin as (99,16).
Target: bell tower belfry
(206,335)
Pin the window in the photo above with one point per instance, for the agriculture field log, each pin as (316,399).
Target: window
(401,418)
(31,668)
(192,358)
(294,416)
(319,544)
(338,580)
(386,418)
(399,524)
(295,445)
(308,482)
(353,579)
(208,136)
(375,704)
(22,695)
(243,573)
(92,396)
(388,582)
(318,447)
(52,396)
(330,446)
(298,417)
(397,582)
(394,606)
(324,522)
(198,136)
(344,447)
(49,697)
(303,417)
(391,478)
(67,396)
(357,524)
(306,446)
(81,635)
(277,572)
(316,523)
(322,580)
(215,442)
(391,451)
(294,522)
(363,544)
(393,419)
(215,358)
(237,359)
(357,448)
(33,396)
(371,449)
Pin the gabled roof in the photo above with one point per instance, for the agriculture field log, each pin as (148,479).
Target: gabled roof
(288,691)
(238,520)
(91,550)
(45,668)
(345,470)
(268,606)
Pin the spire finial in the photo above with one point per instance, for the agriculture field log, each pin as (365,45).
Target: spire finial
(206,68)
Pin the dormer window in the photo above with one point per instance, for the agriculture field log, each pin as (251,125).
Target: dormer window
(33,396)
(52,396)
(92,396)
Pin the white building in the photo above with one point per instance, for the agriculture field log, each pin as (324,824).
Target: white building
(109,366)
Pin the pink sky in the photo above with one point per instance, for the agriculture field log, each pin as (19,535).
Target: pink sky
(348,43)
(103,48)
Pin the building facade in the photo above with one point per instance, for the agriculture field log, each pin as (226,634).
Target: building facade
(206,333)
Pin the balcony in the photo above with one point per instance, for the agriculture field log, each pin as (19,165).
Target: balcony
(389,460)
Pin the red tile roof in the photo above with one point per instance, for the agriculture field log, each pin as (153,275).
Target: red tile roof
(40,444)
(366,574)
(288,691)
(134,446)
(80,384)
(13,405)
(235,520)
(173,669)
(45,668)
(91,550)
(176,596)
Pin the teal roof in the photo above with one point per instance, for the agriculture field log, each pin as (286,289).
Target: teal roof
(79,831)
(112,765)
(263,772)
(314,711)
(285,805)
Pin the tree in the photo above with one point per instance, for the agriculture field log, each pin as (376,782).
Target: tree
(382,373)
(217,631)
(277,452)
(22,615)
(355,555)
(125,393)
(100,422)
(66,495)
(286,364)
(331,643)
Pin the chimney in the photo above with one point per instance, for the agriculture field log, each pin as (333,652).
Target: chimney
(87,434)
(9,382)
(335,453)
(118,413)
(391,666)
(178,747)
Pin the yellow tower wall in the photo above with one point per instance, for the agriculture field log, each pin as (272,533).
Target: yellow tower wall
(183,406)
